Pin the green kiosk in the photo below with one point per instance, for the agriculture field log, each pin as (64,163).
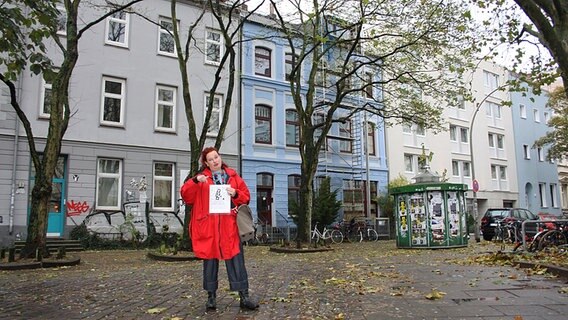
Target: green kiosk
(430,213)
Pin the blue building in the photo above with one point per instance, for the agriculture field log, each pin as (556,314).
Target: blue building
(354,156)
(537,177)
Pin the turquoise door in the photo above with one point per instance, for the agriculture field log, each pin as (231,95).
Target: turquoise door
(56,213)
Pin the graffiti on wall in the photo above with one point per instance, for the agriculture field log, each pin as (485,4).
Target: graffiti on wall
(76,208)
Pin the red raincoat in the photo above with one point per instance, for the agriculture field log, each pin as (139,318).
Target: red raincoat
(214,236)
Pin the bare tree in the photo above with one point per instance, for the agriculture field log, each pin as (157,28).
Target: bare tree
(381,57)
(45,161)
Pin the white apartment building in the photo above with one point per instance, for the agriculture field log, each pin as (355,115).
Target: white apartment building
(478,143)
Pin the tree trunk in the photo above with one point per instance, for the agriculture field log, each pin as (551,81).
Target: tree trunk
(37,225)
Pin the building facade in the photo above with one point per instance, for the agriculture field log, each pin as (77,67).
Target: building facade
(537,178)
(477,145)
(354,156)
(128,118)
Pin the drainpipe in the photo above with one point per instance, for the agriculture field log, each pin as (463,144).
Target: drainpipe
(14,163)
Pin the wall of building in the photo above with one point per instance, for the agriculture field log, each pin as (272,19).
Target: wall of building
(530,123)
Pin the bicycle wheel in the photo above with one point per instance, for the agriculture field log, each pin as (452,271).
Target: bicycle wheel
(335,235)
(552,238)
(373,235)
(355,236)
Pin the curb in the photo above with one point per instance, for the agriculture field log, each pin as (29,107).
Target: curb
(10,266)
(170,258)
(555,270)
(294,250)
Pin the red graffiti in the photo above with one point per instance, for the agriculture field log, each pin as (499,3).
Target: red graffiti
(76,208)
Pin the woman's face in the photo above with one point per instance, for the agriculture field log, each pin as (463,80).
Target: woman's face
(214,161)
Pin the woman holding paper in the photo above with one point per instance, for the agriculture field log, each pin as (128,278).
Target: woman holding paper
(214,194)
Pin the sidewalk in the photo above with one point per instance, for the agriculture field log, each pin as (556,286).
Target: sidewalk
(355,281)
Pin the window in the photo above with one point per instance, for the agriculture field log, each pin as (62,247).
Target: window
(420,130)
(369,85)
(216,114)
(540,153)
(500,143)
(113,101)
(262,61)
(526,151)
(117,29)
(463,135)
(163,189)
(491,80)
(453,134)
(62,21)
(371,146)
(491,138)
(523,111)
(45,100)
(455,168)
(542,194)
(289,63)
(546,117)
(553,201)
(109,184)
(536,115)
(166,43)
(345,132)
(493,110)
(499,177)
(165,108)
(409,163)
(466,169)
(407,127)
(292,128)
(263,124)
(318,118)
(294,182)
(213,47)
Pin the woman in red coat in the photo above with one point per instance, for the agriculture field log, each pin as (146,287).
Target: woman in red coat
(215,236)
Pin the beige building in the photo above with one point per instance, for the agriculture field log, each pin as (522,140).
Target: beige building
(482,129)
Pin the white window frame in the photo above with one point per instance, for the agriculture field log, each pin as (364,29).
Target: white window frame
(526,151)
(412,162)
(466,169)
(455,168)
(491,138)
(453,133)
(112,19)
(523,111)
(160,104)
(407,127)
(217,109)
(546,117)
(121,97)
(164,32)
(500,141)
(542,195)
(540,153)
(61,21)
(464,135)
(114,175)
(45,87)
(553,199)
(491,80)
(158,178)
(210,43)
(536,115)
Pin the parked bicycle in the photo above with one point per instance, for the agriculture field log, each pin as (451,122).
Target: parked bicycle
(557,237)
(260,235)
(327,235)
(363,231)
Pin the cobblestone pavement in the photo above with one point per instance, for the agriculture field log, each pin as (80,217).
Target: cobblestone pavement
(355,281)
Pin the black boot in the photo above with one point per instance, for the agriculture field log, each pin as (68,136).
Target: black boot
(246,301)
(211,300)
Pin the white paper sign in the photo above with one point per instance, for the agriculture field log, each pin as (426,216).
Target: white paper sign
(219,199)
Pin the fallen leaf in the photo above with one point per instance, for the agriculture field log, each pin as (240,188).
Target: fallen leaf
(155,310)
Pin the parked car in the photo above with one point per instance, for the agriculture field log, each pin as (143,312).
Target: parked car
(495,215)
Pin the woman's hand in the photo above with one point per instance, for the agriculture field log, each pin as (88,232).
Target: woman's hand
(232,192)
(201,178)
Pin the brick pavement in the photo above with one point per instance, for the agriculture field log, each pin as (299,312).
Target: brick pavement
(355,281)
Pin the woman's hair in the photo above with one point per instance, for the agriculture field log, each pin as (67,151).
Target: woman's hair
(204,154)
